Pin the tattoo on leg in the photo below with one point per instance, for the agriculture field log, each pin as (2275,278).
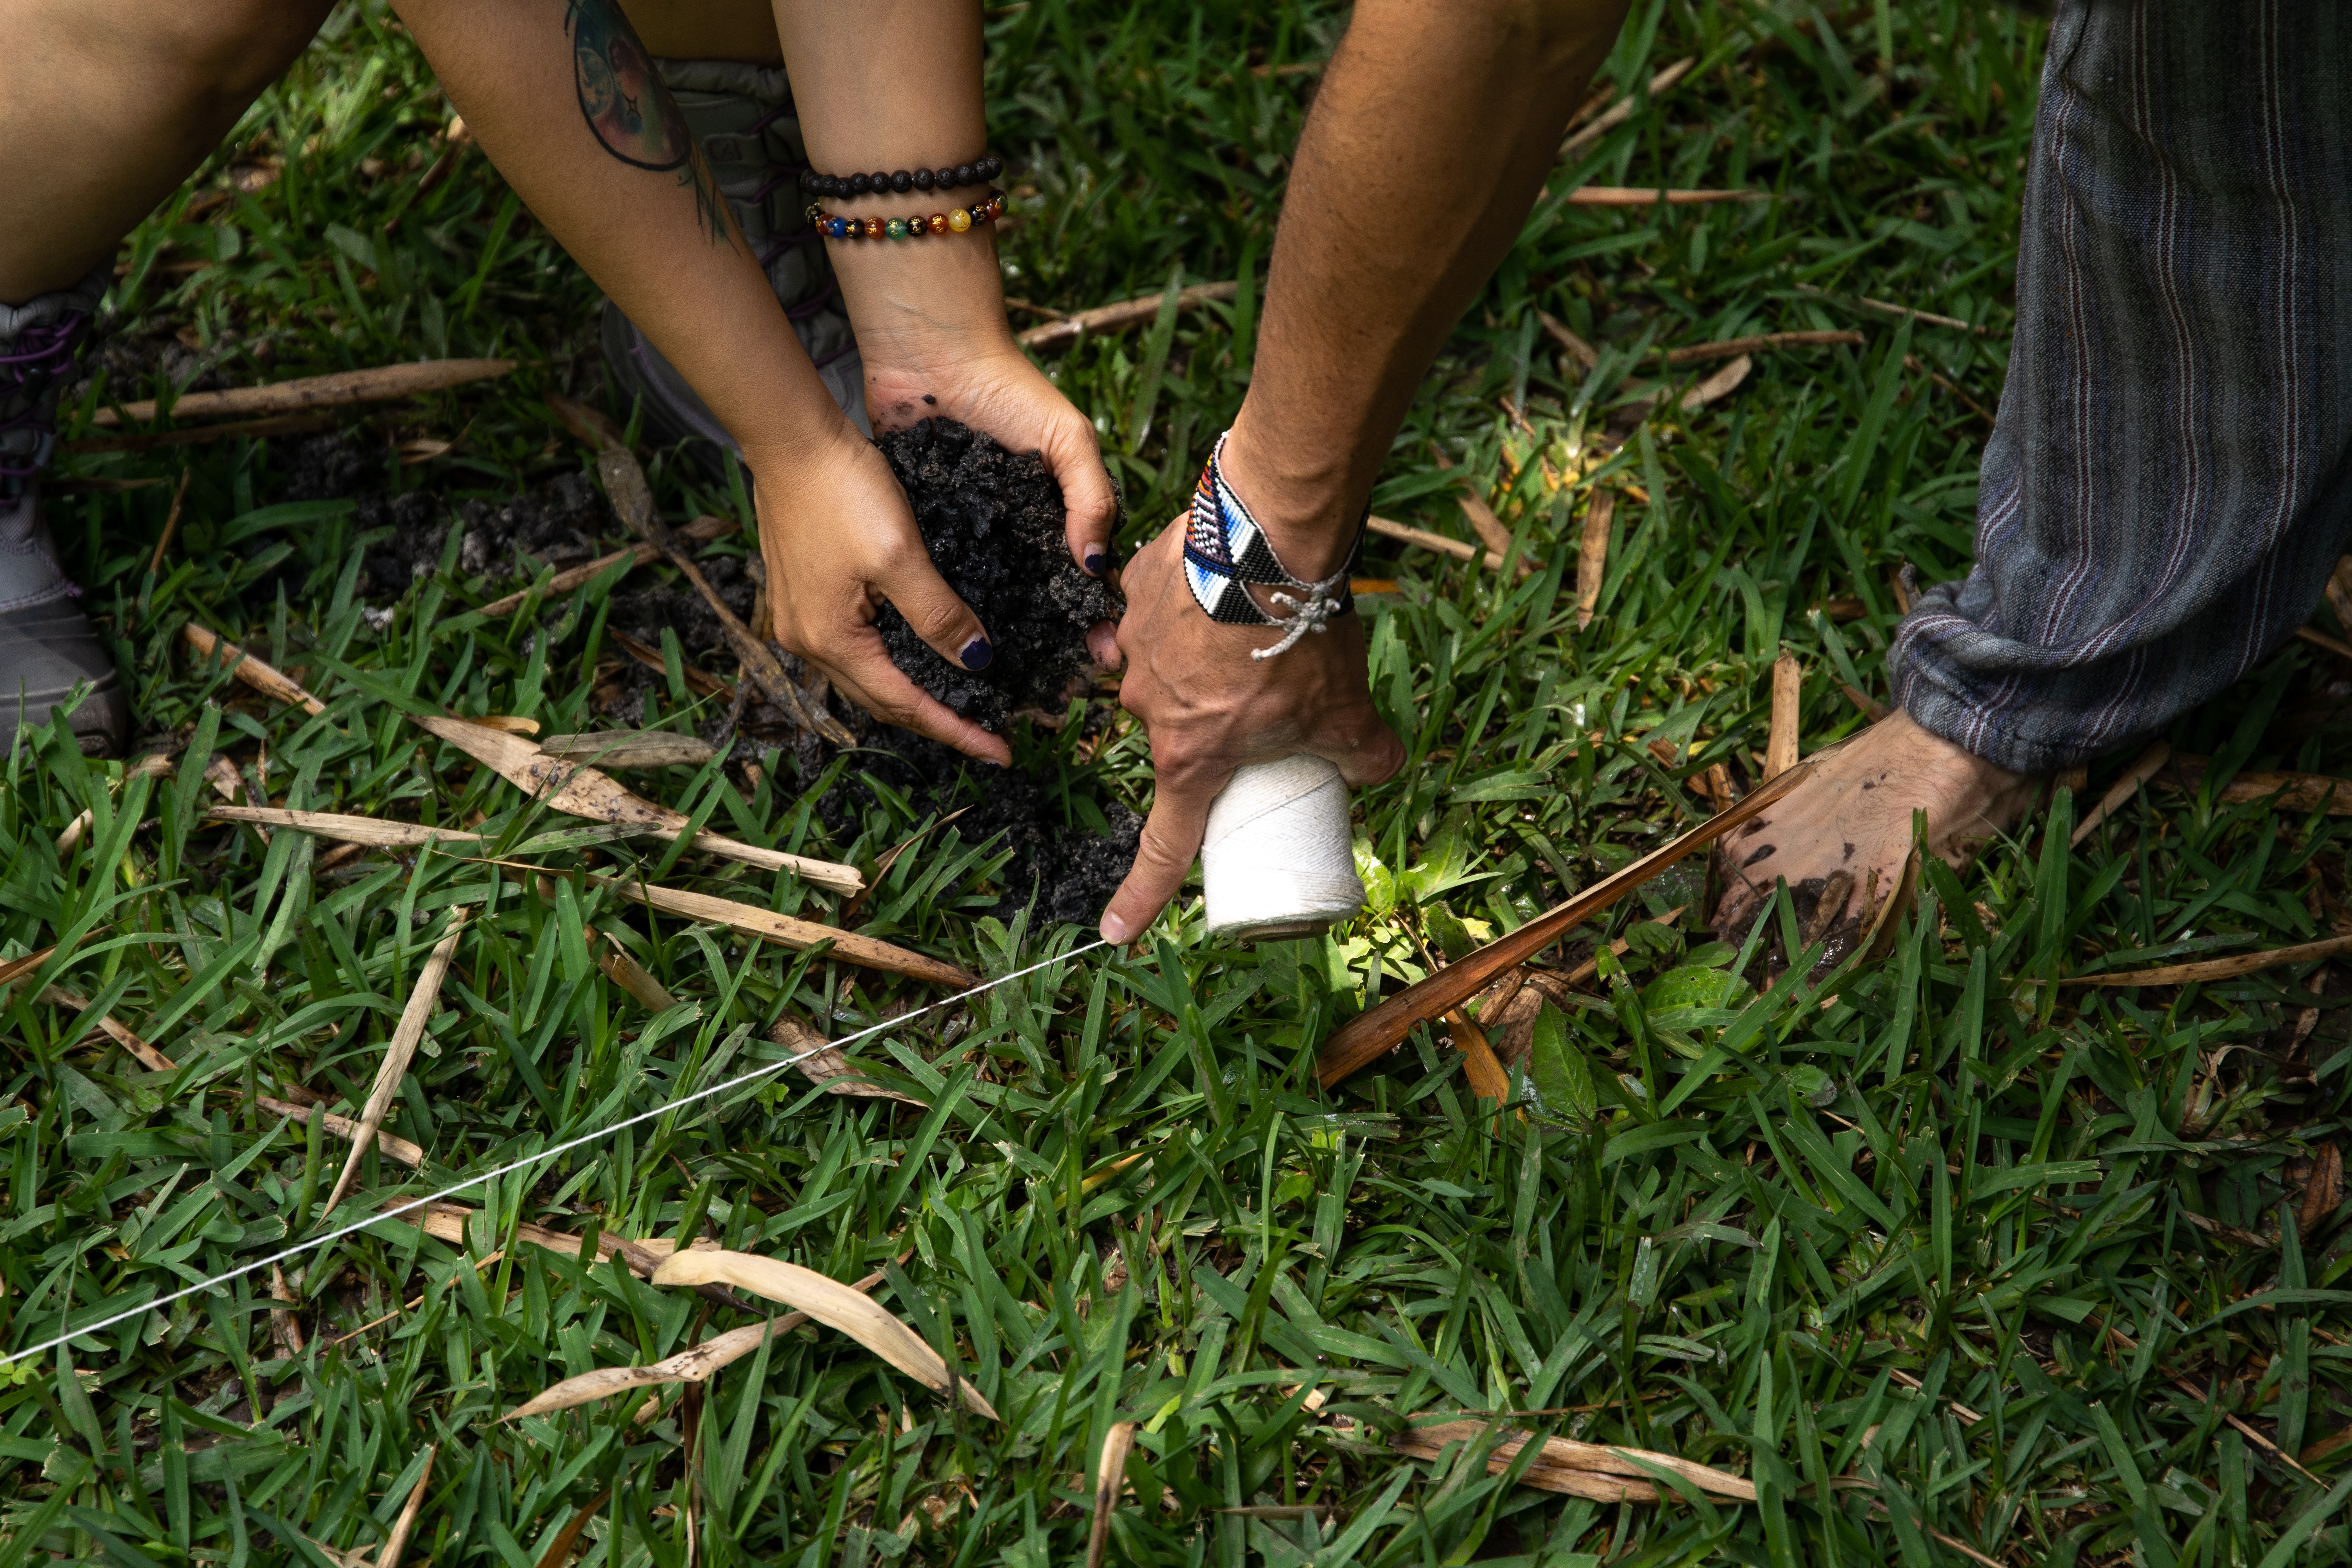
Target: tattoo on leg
(630,111)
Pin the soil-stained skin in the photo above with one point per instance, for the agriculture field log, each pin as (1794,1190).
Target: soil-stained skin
(993,520)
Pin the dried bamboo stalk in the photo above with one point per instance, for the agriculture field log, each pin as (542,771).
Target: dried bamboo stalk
(1732,348)
(2220,968)
(1617,113)
(261,677)
(390,1145)
(383,384)
(199,435)
(1379,1029)
(702,530)
(1650,197)
(1405,533)
(848,946)
(397,1054)
(149,1056)
(1124,314)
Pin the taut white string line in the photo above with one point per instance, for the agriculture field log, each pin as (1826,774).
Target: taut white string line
(411,1207)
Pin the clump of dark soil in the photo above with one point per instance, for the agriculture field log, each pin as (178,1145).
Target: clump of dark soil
(993,520)
(556,525)
(1060,872)
(644,611)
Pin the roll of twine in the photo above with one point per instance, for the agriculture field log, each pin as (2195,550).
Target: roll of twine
(1279,860)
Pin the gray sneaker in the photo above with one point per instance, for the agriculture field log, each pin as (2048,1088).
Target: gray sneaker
(742,115)
(49,649)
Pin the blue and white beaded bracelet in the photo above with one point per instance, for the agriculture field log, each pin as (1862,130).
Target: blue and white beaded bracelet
(1225,550)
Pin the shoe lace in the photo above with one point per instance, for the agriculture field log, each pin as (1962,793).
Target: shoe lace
(28,367)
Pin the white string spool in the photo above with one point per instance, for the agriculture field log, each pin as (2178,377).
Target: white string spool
(1278,860)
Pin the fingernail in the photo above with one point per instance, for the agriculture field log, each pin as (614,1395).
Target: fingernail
(1114,930)
(977,653)
(1096,562)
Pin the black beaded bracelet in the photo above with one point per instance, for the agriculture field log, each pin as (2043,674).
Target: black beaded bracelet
(979,171)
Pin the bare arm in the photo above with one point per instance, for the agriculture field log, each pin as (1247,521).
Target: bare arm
(1465,103)
(565,100)
(896,84)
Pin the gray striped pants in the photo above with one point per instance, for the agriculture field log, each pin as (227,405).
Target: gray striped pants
(2169,481)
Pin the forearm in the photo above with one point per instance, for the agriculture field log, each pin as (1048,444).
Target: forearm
(1459,110)
(565,102)
(880,87)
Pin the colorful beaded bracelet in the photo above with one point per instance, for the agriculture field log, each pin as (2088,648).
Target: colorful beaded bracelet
(979,171)
(955,222)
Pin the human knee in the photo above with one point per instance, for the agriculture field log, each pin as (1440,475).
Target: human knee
(1549,35)
(232,48)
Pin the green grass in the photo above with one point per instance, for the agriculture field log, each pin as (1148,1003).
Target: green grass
(1829,1223)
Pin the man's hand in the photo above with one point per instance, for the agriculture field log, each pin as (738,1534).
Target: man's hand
(838,540)
(1210,707)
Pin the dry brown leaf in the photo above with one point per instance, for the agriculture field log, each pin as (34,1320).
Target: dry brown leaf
(1592,554)
(631,976)
(848,946)
(828,1302)
(1488,1078)
(406,1523)
(1110,1473)
(261,677)
(688,1366)
(828,1067)
(397,1052)
(283,1326)
(350,829)
(631,749)
(1719,385)
(578,790)
(1379,1029)
(1651,196)
(380,383)
(559,1549)
(1564,1458)
(2218,968)
(2323,1190)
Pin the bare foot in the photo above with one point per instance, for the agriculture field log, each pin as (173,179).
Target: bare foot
(1840,839)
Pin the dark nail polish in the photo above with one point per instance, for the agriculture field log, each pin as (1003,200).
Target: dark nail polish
(1096,562)
(977,653)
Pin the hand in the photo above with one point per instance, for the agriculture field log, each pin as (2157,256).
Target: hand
(838,538)
(1210,707)
(984,381)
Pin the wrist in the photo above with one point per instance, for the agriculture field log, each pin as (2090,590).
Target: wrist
(1299,500)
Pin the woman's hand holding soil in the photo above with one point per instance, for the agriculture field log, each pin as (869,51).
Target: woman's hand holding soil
(1210,707)
(839,539)
(980,378)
